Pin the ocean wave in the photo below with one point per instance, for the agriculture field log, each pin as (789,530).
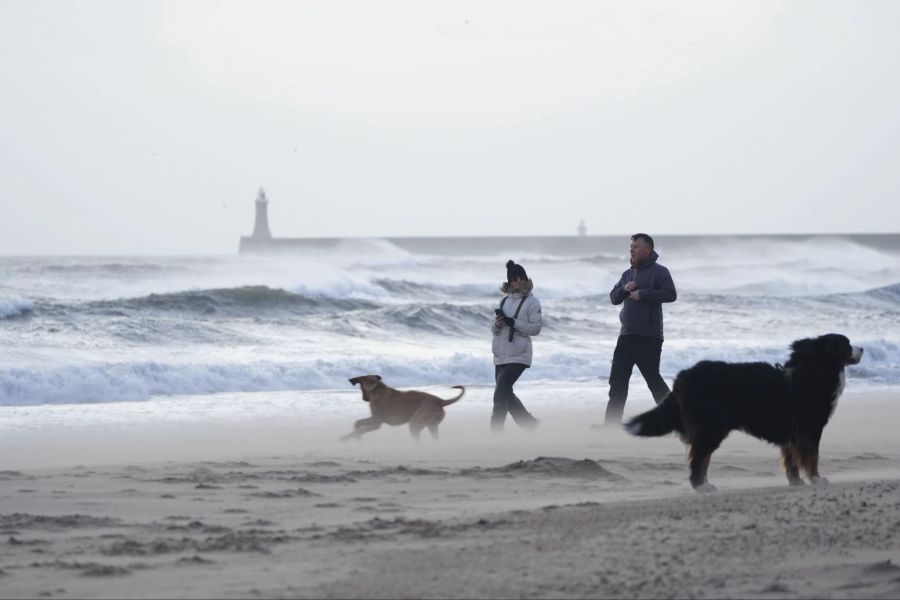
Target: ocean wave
(887,296)
(434,318)
(881,299)
(12,309)
(412,322)
(111,269)
(123,382)
(135,381)
(781,267)
(889,293)
(604,258)
(238,301)
(240,315)
(400,290)
(461,292)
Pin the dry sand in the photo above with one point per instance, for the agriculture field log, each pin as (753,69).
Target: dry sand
(278,508)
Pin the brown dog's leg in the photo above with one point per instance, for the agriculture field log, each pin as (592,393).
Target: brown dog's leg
(415,430)
(433,426)
(362,426)
(789,458)
(420,419)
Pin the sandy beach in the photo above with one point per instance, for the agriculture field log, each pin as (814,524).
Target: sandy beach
(276,508)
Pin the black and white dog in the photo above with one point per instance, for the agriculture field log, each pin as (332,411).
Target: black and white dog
(788,406)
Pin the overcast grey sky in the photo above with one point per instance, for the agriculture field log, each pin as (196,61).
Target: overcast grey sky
(147,127)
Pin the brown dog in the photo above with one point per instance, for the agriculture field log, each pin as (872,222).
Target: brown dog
(394,407)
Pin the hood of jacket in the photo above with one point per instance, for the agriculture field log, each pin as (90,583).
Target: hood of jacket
(649,261)
(506,288)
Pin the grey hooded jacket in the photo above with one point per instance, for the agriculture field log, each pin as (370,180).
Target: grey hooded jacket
(644,316)
(528,324)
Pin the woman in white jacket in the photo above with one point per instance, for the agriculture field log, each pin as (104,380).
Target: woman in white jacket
(518,318)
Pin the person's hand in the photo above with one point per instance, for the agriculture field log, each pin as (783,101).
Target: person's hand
(499,321)
(510,321)
(630,286)
(635,295)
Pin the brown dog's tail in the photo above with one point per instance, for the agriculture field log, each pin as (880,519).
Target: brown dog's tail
(452,400)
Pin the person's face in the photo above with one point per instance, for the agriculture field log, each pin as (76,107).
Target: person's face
(518,282)
(640,250)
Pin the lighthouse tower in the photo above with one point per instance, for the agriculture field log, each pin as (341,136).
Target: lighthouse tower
(261,228)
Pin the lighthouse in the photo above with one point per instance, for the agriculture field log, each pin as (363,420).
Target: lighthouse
(261,228)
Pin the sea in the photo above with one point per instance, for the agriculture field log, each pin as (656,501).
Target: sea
(100,331)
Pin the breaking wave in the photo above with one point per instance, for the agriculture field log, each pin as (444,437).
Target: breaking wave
(134,381)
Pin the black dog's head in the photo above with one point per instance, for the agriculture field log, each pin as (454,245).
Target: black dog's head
(832,347)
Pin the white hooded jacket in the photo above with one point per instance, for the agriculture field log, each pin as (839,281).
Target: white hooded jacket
(528,324)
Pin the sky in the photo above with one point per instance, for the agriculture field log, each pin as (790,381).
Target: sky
(148,127)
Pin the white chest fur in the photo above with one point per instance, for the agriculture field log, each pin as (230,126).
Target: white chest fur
(842,380)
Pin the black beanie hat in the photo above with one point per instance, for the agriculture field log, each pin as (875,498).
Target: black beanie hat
(513,270)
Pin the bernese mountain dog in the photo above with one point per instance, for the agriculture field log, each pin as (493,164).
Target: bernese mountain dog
(788,405)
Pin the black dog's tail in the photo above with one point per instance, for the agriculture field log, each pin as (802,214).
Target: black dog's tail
(452,400)
(658,421)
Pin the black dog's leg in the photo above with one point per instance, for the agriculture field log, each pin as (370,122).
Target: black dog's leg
(789,458)
(808,454)
(700,454)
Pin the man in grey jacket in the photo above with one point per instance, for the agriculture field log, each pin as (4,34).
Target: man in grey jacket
(641,291)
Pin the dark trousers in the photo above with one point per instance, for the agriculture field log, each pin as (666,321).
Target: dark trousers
(505,401)
(633,350)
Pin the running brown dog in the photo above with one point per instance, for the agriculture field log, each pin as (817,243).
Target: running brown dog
(394,407)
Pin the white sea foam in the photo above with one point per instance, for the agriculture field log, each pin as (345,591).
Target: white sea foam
(141,380)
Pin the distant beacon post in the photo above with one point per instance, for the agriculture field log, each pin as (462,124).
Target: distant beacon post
(582,229)
(261,241)
(261,228)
